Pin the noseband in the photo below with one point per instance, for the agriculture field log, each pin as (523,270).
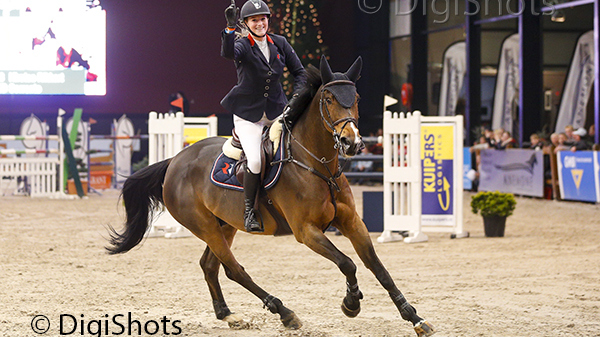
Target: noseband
(329,120)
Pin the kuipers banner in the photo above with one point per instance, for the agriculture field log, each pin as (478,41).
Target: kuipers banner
(437,157)
(517,171)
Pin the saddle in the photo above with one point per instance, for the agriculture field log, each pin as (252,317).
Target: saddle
(269,145)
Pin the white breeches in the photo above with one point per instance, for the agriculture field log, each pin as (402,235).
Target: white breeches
(250,136)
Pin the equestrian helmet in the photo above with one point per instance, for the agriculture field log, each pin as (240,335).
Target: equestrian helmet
(254,7)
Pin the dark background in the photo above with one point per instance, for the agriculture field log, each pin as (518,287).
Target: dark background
(156,48)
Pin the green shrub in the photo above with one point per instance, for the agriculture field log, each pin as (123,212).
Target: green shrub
(493,203)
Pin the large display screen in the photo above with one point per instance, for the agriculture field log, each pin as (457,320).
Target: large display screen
(52,47)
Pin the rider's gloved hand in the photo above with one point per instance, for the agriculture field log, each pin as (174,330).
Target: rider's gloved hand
(231,14)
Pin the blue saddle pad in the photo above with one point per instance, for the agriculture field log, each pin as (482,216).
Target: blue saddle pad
(222,173)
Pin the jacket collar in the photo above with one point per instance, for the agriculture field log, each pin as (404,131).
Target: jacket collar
(252,42)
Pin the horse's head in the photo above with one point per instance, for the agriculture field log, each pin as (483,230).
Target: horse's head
(339,106)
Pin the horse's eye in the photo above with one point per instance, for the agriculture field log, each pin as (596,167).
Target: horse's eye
(328,100)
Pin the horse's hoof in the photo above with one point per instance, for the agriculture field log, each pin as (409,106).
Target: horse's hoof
(349,312)
(236,322)
(424,329)
(292,322)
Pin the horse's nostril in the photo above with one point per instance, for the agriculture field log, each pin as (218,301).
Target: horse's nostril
(345,141)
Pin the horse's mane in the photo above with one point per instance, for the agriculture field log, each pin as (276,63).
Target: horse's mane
(306,93)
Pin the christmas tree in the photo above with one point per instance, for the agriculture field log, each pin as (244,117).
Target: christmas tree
(298,21)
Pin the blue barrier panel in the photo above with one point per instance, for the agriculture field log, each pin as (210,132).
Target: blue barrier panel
(577,176)
(373,211)
(597,175)
(467,183)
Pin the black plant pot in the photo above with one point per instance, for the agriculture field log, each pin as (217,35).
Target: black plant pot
(494,225)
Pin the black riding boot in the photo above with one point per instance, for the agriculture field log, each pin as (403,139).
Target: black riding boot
(251,185)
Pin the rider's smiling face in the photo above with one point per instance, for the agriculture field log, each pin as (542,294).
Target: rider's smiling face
(258,24)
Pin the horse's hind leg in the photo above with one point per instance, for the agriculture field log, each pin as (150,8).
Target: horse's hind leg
(210,266)
(220,249)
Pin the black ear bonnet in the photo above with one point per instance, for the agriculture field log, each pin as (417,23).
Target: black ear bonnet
(344,93)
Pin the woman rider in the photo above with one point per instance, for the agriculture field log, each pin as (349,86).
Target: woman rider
(258,98)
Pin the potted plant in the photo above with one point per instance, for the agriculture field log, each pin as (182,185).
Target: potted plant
(495,207)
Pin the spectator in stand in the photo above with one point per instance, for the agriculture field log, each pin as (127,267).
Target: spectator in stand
(485,141)
(563,145)
(554,139)
(497,139)
(590,138)
(506,141)
(551,144)
(488,136)
(377,148)
(569,133)
(535,142)
(579,144)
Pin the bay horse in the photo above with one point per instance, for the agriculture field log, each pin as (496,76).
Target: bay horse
(311,195)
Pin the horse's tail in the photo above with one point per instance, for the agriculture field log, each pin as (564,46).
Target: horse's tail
(142,194)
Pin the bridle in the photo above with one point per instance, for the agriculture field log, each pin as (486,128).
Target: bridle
(329,125)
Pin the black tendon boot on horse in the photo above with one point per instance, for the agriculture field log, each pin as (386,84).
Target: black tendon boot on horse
(251,184)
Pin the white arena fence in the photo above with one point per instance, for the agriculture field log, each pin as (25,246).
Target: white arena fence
(38,173)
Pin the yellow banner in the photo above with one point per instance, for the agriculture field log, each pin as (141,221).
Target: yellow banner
(437,142)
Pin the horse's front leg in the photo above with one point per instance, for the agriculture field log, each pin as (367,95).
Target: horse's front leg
(355,230)
(314,238)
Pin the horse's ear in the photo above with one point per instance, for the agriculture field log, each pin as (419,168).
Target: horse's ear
(326,73)
(353,73)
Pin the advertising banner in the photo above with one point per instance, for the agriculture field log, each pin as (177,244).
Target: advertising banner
(453,74)
(597,174)
(467,183)
(507,86)
(437,159)
(517,171)
(576,175)
(578,86)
